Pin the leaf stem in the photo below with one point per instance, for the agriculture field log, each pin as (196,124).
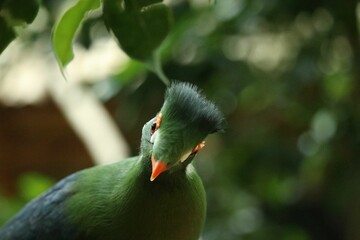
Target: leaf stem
(155,66)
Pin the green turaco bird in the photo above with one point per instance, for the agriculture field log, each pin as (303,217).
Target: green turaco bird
(154,196)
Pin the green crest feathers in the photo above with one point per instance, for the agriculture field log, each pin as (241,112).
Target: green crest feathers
(185,102)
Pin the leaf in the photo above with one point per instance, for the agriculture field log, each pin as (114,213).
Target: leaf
(139,28)
(15,12)
(21,10)
(67,27)
(7,35)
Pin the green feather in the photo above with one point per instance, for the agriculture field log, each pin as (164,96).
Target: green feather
(185,103)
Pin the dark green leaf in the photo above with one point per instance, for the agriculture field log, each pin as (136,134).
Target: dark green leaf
(23,10)
(67,27)
(7,35)
(139,30)
(138,4)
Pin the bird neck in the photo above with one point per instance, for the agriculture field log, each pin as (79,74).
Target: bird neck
(146,164)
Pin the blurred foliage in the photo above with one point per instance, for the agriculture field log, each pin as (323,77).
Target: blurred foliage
(14,13)
(286,74)
(30,185)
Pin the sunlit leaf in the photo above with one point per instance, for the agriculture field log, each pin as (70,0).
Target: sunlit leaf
(67,27)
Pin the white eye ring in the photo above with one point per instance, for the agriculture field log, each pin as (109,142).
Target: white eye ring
(154,137)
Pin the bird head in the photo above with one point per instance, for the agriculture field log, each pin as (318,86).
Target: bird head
(173,137)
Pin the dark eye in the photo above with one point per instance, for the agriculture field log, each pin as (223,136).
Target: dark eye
(155,125)
(153,128)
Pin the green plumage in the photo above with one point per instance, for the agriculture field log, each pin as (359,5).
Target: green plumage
(119,201)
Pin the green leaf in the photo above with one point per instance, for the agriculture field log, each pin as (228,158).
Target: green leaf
(67,27)
(139,27)
(7,34)
(20,10)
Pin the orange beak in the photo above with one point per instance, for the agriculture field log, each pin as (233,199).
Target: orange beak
(157,168)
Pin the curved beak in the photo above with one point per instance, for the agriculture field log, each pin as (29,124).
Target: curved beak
(158,167)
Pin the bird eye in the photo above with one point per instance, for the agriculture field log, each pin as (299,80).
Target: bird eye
(155,125)
(153,128)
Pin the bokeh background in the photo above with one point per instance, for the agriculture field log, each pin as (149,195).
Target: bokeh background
(285,73)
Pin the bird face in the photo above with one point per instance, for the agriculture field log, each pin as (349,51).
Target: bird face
(178,131)
(172,144)
(168,148)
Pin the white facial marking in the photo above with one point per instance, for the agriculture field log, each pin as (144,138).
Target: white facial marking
(154,137)
(185,156)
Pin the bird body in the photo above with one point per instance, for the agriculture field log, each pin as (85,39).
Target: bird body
(137,198)
(161,209)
